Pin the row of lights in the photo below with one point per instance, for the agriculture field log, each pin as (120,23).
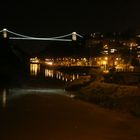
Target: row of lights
(35,70)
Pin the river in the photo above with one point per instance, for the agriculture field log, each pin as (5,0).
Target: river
(39,79)
(35,106)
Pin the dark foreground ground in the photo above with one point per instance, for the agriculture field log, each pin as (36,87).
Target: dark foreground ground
(57,117)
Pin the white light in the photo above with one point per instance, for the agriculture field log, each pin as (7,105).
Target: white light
(5,33)
(34,60)
(112,50)
(4,98)
(74,36)
(49,63)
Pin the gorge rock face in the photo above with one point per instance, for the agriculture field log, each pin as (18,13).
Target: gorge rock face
(12,61)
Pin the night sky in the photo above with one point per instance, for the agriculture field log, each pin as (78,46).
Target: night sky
(46,18)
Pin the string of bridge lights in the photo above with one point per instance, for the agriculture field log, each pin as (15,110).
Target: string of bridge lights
(18,36)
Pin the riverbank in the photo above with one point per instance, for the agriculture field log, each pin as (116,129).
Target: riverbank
(55,117)
(124,98)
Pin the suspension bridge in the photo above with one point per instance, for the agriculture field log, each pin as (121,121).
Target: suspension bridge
(17,36)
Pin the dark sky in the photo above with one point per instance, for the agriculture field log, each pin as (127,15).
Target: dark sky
(57,17)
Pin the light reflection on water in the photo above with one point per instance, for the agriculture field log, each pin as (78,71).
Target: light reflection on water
(18,92)
(61,76)
(3,97)
(7,94)
(35,70)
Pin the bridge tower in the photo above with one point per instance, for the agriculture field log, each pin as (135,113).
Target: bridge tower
(74,36)
(5,33)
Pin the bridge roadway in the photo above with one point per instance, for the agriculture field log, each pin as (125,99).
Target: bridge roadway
(58,117)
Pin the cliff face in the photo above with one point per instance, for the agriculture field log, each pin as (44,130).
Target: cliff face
(12,62)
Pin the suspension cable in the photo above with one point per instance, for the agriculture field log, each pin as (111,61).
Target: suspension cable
(41,39)
(1,31)
(17,34)
(63,36)
(25,37)
(79,35)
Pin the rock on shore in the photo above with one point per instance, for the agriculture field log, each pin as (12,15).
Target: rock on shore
(125,98)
